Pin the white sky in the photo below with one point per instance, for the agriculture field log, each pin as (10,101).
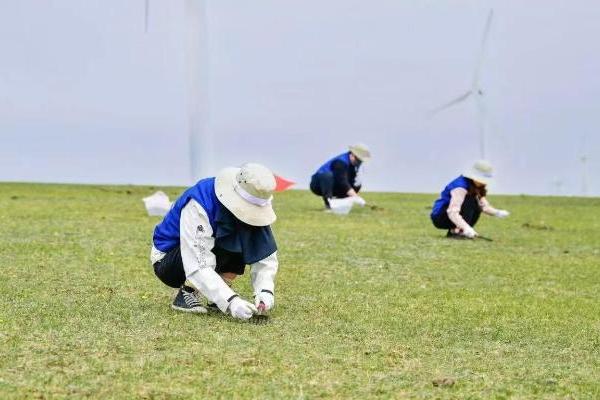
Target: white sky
(87,96)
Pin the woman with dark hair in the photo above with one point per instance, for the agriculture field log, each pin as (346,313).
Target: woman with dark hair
(463,200)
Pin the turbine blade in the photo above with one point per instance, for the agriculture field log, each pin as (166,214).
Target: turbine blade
(451,103)
(481,55)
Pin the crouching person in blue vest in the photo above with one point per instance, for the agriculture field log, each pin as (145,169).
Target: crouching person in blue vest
(338,177)
(463,200)
(214,230)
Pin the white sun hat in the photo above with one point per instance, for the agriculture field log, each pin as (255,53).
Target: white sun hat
(481,171)
(248,193)
(361,151)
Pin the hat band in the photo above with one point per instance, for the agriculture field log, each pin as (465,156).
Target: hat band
(257,201)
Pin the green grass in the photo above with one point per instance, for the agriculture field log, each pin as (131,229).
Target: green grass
(373,305)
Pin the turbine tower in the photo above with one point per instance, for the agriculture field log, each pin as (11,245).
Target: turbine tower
(196,60)
(475,91)
(583,159)
(146,14)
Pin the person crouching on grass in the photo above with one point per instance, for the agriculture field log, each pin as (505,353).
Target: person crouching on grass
(462,201)
(213,230)
(338,177)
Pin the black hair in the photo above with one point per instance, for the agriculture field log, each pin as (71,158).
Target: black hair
(477,191)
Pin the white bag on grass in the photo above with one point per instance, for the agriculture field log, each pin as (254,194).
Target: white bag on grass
(157,204)
(341,206)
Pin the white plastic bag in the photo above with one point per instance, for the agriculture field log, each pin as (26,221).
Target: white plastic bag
(341,206)
(157,204)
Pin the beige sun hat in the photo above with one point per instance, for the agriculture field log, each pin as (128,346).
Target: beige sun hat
(481,171)
(361,151)
(248,193)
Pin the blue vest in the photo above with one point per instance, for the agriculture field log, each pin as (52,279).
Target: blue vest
(166,234)
(253,243)
(345,158)
(442,203)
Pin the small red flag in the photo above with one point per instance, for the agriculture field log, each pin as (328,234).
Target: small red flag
(282,184)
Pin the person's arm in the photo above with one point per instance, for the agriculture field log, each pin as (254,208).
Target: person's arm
(340,177)
(487,208)
(199,261)
(456,200)
(263,280)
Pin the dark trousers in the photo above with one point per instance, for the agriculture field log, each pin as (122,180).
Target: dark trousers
(170,269)
(324,185)
(470,212)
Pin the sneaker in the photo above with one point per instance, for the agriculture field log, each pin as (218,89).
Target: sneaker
(187,301)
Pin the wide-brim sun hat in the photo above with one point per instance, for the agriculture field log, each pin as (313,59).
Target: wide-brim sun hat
(480,171)
(361,151)
(248,193)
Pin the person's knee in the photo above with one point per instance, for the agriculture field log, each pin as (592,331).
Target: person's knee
(474,218)
(439,224)
(168,276)
(441,221)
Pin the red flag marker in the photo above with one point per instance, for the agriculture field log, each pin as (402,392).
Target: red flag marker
(282,184)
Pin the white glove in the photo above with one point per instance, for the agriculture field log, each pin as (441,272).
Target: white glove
(502,213)
(266,298)
(469,232)
(240,308)
(359,200)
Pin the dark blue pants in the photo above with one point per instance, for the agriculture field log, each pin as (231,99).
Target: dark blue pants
(324,185)
(469,210)
(170,269)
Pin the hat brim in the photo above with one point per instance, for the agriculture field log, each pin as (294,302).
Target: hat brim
(362,157)
(476,176)
(243,210)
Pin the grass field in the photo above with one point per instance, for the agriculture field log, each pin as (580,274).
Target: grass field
(373,305)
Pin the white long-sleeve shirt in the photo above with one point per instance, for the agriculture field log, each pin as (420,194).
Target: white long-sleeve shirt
(456,200)
(199,262)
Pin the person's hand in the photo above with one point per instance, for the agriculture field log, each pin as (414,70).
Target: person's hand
(469,232)
(359,200)
(502,213)
(240,308)
(266,298)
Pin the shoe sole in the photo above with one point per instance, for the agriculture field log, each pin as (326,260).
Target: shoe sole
(195,310)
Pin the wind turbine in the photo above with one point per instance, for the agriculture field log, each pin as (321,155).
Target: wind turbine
(475,91)
(558,184)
